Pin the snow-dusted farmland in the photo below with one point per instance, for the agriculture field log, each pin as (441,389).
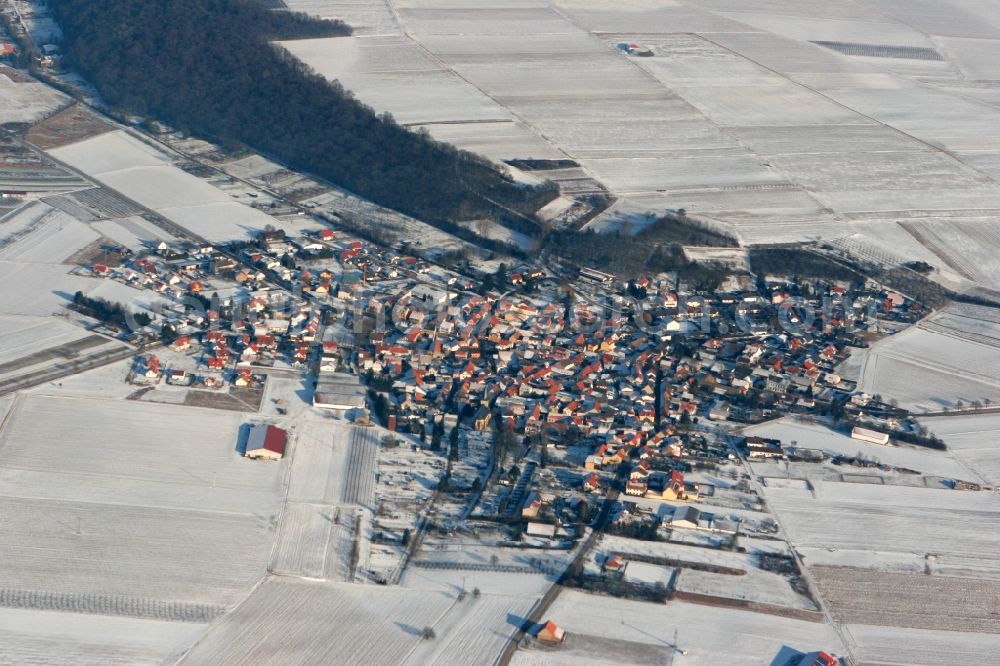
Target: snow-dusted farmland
(292,621)
(894,646)
(21,336)
(953,526)
(864,596)
(147,176)
(137,453)
(39,289)
(151,501)
(710,635)
(973,439)
(815,436)
(26,101)
(927,371)
(53,637)
(739,116)
(38,233)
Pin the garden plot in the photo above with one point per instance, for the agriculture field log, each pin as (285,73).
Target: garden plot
(53,637)
(710,635)
(973,439)
(755,585)
(818,437)
(894,646)
(928,371)
(291,621)
(916,601)
(955,527)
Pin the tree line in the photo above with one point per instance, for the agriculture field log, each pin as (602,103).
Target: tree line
(208,67)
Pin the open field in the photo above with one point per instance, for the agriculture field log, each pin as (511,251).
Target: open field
(920,647)
(148,177)
(151,499)
(319,462)
(711,635)
(40,234)
(952,526)
(291,621)
(141,453)
(818,437)
(973,439)
(21,337)
(915,600)
(315,541)
(928,371)
(283,618)
(25,101)
(53,637)
(784,121)
(39,289)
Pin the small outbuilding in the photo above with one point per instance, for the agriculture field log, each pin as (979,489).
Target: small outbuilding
(686,516)
(551,633)
(266,441)
(867,435)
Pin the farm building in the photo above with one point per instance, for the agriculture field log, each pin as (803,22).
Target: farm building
(686,516)
(339,390)
(541,529)
(866,435)
(551,633)
(266,441)
(759,447)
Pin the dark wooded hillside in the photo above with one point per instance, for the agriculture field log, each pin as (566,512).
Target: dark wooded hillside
(207,67)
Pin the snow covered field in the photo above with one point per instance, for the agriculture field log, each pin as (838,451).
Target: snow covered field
(927,371)
(920,647)
(27,101)
(819,437)
(38,233)
(710,635)
(21,336)
(55,637)
(955,527)
(973,439)
(293,621)
(148,177)
(739,116)
(152,499)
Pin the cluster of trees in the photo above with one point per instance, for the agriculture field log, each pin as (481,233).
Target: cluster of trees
(799,262)
(208,67)
(634,255)
(113,314)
